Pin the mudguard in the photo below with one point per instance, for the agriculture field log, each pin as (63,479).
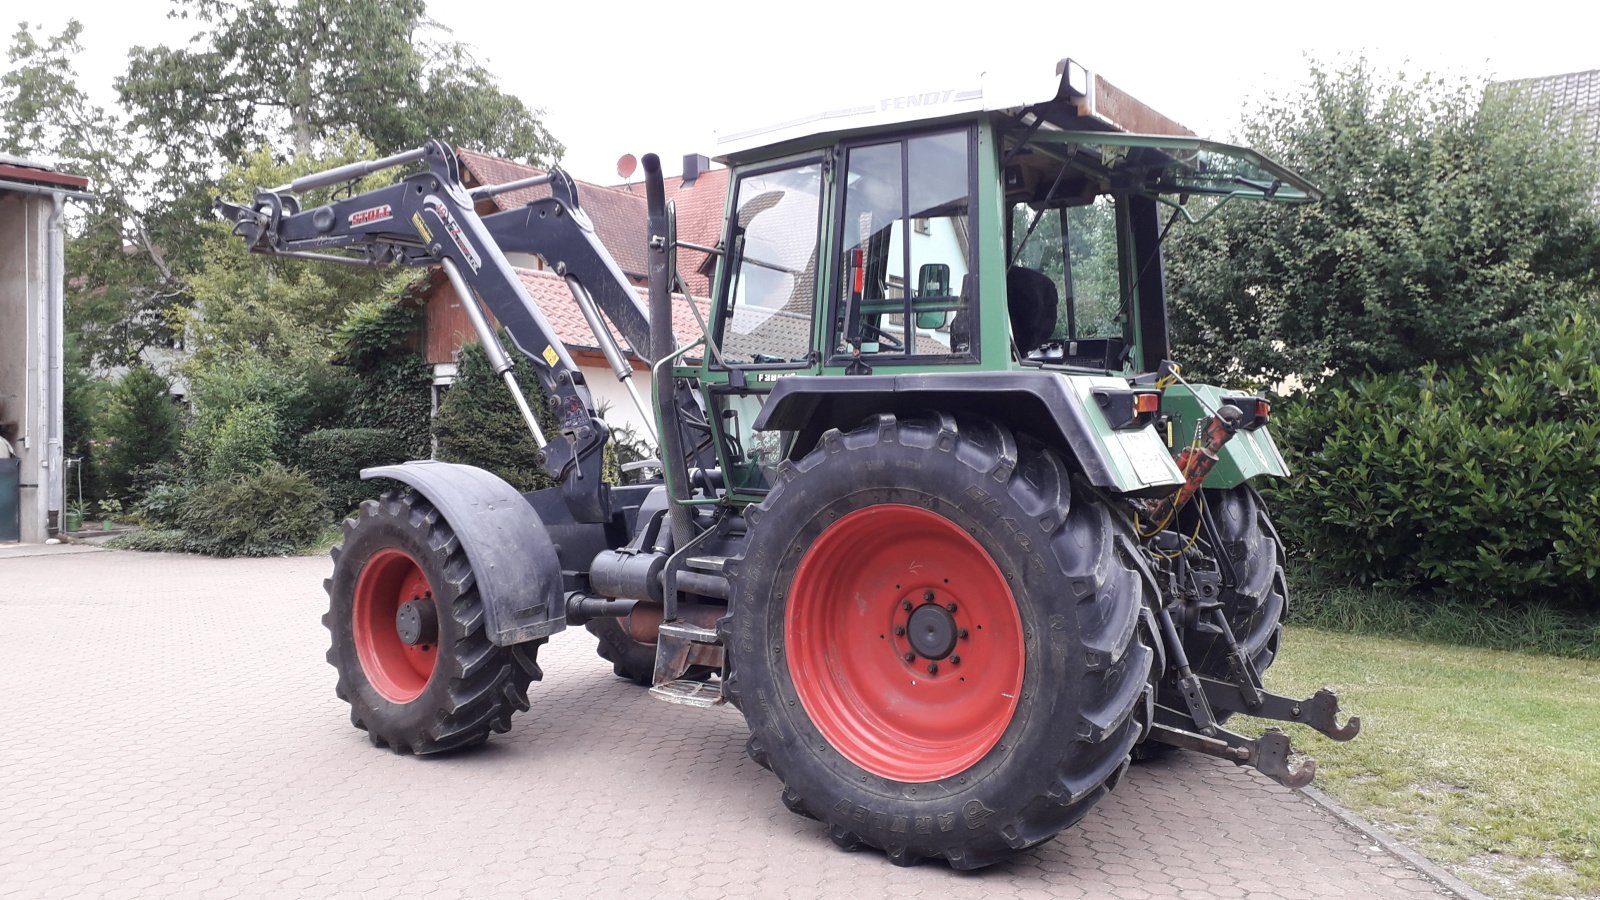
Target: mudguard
(1250,454)
(1054,406)
(512,556)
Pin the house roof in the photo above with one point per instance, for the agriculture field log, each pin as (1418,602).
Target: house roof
(1576,94)
(618,216)
(551,294)
(31,172)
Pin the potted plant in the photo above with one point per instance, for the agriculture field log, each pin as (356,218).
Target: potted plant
(109,511)
(74,517)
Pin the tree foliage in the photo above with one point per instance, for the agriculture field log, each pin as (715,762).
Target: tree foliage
(266,73)
(478,423)
(140,431)
(1455,220)
(128,249)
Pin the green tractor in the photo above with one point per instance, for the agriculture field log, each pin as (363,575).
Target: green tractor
(937,512)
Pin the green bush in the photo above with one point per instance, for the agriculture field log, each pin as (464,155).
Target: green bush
(334,457)
(155,540)
(140,430)
(1482,481)
(396,395)
(245,440)
(162,506)
(269,512)
(1454,221)
(478,424)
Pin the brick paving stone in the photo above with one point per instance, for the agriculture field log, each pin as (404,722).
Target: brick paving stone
(174,734)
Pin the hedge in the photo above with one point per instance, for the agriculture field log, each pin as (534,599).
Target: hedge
(1482,481)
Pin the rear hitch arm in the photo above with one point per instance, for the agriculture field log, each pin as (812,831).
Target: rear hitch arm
(1319,712)
(1270,754)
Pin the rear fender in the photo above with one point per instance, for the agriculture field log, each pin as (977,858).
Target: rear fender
(1250,454)
(1055,407)
(513,559)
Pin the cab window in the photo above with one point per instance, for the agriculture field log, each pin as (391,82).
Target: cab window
(906,248)
(773,266)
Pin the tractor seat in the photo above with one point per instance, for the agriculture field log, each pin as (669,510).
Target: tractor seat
(1031,300)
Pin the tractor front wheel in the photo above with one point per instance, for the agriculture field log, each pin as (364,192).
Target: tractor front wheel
(408,639)
(937,640)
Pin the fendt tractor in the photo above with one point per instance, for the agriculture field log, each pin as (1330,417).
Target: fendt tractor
(933,506)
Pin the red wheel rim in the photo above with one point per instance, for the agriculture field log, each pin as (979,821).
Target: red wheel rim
(397,671)
(849,633)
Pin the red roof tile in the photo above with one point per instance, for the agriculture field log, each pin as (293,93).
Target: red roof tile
(550,293)
(618,216)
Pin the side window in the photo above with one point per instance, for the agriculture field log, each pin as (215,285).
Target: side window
(906,248)
(1076,248)
(773,242)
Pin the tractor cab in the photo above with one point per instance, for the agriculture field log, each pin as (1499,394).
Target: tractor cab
(1012,228)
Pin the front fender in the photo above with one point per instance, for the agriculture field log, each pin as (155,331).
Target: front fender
(513,559)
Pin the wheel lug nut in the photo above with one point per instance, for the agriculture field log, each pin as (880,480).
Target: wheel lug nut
(911,657)
(950,606)
(906,605)
(899,631)
(927,595)
(955,660)
(933,668)
(962,634)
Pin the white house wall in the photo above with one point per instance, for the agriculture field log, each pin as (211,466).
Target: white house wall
(29,326)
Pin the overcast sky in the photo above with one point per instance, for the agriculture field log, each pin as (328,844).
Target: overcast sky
(620,77)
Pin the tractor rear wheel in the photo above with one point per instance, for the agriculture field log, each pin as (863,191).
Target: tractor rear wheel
(1254,596)
(937,640)
(408,639)
(1257,599)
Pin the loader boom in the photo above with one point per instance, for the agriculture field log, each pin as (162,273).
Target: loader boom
(428,219)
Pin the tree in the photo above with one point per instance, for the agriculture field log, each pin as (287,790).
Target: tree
(1455,220)
(140,431)
(478,423)
(281,309)
(266,73)
(127,250)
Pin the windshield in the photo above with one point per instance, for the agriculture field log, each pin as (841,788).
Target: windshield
(773,266)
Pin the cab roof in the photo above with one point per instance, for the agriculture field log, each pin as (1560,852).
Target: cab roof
(1073,97)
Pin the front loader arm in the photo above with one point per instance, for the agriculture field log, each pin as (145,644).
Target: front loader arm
(428,219)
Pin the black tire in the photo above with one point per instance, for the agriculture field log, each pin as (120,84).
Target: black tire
(1079,585)
(474,686)
(1254,605)
(631,659)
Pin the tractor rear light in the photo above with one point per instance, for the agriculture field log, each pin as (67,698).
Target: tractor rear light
(1128,409)
(1256,411)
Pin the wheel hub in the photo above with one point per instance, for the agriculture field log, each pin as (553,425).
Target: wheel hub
(884,611)
(931,631)
(417,622)
(395,625)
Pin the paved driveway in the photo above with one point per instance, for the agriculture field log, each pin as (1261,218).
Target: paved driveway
(172,731)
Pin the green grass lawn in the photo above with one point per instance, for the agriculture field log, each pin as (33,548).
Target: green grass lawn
(1485,761)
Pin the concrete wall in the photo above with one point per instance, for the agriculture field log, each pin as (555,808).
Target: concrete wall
(30,411)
